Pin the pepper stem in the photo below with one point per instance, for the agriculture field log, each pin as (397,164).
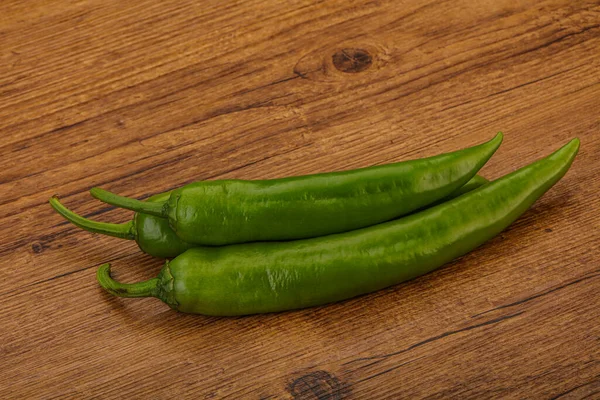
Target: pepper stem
(141,289)
(123,231)
(144,207)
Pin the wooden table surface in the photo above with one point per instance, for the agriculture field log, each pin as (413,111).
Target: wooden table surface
(140,97)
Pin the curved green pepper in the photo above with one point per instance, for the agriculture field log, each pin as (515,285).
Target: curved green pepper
(275,276)
(236,211)
(153,234)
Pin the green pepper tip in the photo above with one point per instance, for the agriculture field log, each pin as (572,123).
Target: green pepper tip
(576,141)
(570,148)
(499,137)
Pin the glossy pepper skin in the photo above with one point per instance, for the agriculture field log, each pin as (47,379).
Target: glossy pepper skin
(153,234)
(269,277)
(236,211)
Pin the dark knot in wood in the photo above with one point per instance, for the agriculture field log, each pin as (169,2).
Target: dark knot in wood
(38,247)
(352,60)
(320,385)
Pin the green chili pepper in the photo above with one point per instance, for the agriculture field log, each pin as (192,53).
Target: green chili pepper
(153,234)
(236,211)
(275,276)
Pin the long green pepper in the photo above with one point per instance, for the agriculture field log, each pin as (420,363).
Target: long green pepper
(153,234)
(236,211)
(276,276)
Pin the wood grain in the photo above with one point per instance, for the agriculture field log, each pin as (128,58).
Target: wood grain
(144,96)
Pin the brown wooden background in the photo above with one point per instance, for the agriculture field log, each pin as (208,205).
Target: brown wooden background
(139,97)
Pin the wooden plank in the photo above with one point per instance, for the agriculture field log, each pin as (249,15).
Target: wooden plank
(146,96)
